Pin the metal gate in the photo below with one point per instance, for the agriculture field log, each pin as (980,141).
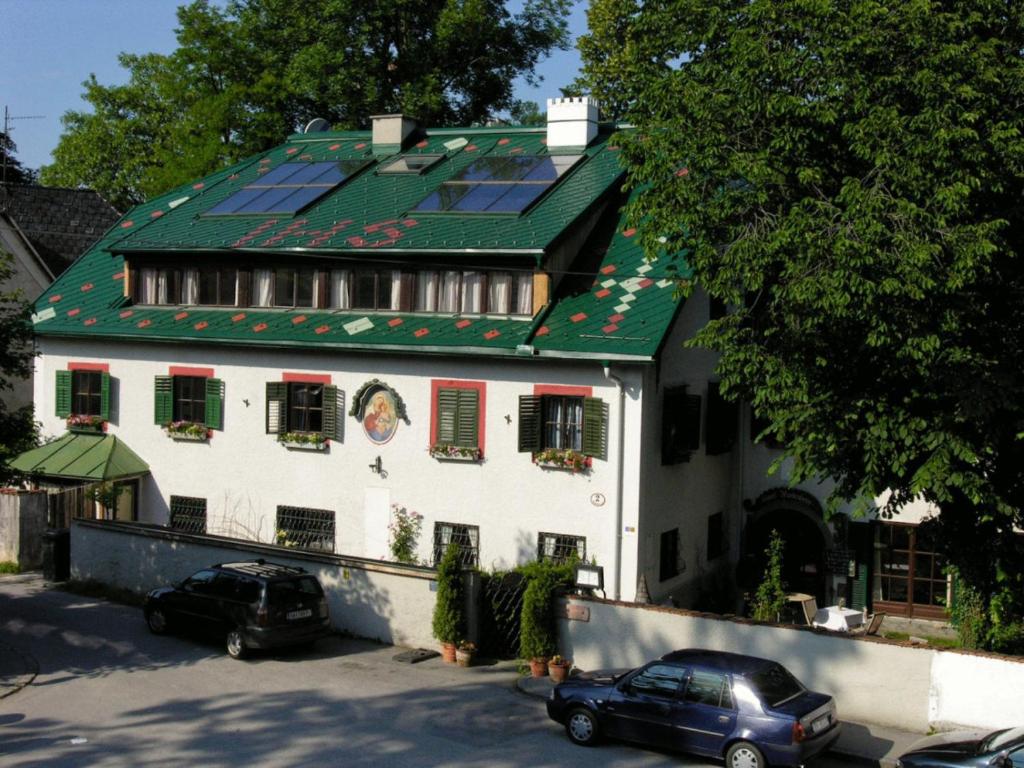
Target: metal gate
(501,598)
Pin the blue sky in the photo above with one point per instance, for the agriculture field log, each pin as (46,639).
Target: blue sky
(50,47)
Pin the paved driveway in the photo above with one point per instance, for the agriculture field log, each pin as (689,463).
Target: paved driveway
(108,693)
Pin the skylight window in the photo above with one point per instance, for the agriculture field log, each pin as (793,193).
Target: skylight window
(288,188)
(493,184)
(410,164)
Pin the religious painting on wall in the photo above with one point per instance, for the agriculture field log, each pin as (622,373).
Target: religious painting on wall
(379,409)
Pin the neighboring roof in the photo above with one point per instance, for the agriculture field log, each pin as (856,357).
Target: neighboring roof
(625,314)
(82,456)
(60,224)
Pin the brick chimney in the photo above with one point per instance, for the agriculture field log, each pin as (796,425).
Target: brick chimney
(572,121)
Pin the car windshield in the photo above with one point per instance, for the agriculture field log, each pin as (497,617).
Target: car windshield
(774,685)
(1002,739)
(282,590)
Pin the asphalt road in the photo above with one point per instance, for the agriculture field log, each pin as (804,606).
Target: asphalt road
(108,693)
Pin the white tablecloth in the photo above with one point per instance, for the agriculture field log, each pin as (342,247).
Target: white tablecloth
(838,619)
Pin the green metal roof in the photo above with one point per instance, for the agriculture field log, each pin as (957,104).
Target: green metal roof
(625,314)
(82,456)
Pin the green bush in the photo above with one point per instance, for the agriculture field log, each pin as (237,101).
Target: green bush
(538,634)
(449,621)
(771,594)
(968,615)
(6,566)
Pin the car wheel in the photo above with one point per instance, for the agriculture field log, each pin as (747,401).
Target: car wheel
(581,727)
(236,644)
(743,754)
(157,621)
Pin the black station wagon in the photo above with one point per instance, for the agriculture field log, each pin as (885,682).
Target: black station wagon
(252,604)
(750,711)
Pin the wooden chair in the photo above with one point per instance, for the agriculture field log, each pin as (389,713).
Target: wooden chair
(810,606)
(873,625)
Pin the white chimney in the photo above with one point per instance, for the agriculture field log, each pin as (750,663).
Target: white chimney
(572,121)
(391,131)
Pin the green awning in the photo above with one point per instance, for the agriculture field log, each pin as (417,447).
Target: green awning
(82,456)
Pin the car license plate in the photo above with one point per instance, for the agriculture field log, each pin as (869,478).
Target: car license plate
(820,724)
(305,613)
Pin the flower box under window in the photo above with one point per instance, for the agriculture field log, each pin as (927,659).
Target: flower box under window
(303,441)
(85,423)
(449,452)
(562,458)
(187,431)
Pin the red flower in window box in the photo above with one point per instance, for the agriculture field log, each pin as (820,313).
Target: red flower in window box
(562,458)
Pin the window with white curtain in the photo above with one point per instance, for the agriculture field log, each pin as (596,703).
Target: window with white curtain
(465,537)
(524,294)
(426,291)
(472,292)
(262,287)
(448,299)
(499,293)
(563,422)
(340,283)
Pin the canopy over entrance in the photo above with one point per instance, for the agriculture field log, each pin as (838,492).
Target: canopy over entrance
(82,456)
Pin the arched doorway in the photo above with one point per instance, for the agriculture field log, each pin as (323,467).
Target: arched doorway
(798,518)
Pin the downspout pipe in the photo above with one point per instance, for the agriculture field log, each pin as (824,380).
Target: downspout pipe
(619,472)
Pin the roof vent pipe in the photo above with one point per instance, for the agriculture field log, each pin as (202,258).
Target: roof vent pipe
(572,121)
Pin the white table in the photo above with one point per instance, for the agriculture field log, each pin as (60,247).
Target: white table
(838,619)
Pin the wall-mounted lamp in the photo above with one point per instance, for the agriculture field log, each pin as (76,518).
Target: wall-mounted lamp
(377,468)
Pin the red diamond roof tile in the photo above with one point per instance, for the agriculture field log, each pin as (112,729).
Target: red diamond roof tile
(421,332)
(259,327)
(90,321)
(73,312)
(607,269)
(118,276)
(629,232)
(126,314)
(618,318)
(181,316)
(299,319)
(395,322)
(87,287)
(578,317)
(54,299)
(237,318)
(543,331)
(602,293)
(144,323)
(645,283)
(126,224)
(463,324)
(321,329)
(201,325)
(611,328)
(492,334)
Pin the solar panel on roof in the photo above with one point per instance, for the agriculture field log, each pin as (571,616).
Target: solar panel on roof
(498,184)
(288,188)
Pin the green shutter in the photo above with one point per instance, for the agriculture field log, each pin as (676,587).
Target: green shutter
(63,394)
(595,428)
(163,399)
(330,411)
(277,400)
(859,597)
(447,416)
(105,396)
(468,419)
(214,403)
(529,423)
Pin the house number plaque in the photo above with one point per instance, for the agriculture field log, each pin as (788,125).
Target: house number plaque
(597,499)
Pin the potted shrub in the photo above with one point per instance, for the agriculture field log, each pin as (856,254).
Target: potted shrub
(558,668)
(464,653)
(448,619)
(537,625)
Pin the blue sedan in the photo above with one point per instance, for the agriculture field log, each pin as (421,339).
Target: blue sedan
(750,711)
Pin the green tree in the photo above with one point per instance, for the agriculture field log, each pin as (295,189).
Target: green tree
(18,430)
(449,621)
(848,177)
(11,169)
(247,74)
(770,598)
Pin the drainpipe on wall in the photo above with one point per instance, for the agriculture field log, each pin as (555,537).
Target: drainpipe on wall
(620,460)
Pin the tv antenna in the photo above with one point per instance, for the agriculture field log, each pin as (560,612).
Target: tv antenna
(8,119)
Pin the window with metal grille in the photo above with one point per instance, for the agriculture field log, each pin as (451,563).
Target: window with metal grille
(86,393)
(305,407)
(465,537)
(669,563)
(561,548)
(190,399)
(188,514)
(305,528)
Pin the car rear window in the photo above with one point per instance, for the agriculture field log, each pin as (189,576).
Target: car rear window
(304,585)
(774,685)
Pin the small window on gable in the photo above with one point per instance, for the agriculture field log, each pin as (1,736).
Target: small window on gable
(499,184)
(288,188)
(83,393)
(465,537)
(680,425)
(414,164)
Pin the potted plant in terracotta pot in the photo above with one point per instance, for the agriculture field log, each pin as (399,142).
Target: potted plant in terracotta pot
(558,668)
(537,626)
(448,619)
(465,653)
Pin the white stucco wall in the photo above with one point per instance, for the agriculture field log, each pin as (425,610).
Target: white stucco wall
(872,680)
(245,474)
(392,604)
